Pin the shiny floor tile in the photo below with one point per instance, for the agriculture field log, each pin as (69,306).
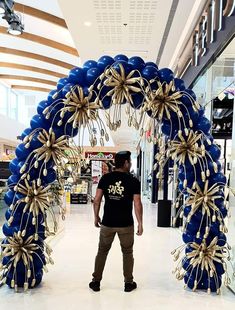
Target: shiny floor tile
(66,284)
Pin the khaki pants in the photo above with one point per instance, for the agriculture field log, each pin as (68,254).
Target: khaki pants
(126,237)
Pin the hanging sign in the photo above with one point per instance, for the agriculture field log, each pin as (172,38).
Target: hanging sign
(100,155)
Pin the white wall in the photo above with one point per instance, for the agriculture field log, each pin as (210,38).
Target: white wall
(9,128)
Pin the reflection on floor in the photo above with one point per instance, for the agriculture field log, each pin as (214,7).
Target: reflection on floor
(66,284)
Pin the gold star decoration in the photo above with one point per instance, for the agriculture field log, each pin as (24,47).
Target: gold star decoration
(20,250)
(160,102)
(122,85)
(205,200)
(52,147)
(84,114)
(186,147)
(203,258)
(37,201)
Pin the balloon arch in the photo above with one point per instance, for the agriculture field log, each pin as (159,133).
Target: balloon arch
(183,136)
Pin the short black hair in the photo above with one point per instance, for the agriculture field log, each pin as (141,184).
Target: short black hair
(121,157)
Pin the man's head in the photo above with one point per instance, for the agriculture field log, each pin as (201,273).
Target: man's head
(123,160)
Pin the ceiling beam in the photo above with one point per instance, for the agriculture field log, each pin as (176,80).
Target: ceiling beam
(41,40)
(33,88)
(25,9)
(30,68)
(21,53)
(26,78)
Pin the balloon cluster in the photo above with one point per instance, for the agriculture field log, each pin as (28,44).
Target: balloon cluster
(74,106)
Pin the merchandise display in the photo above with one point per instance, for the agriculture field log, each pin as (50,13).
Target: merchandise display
(79,193)
(183,134)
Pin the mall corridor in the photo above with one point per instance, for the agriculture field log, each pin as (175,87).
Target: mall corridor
(66,284)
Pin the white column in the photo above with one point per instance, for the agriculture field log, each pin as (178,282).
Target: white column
(208,95)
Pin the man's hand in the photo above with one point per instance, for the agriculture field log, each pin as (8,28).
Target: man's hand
(140,230)
(97,221)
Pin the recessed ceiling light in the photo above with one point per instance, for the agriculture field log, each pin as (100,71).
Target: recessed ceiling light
(87,24)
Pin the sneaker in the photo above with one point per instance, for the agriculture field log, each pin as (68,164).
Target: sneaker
(130,286)
(95,286)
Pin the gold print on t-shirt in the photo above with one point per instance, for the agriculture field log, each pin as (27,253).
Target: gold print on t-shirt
(116,189)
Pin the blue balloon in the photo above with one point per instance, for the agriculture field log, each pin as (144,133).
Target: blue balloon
(50,177)
(151,63)
(26,132)
(62,82)
(35,143)
(201,111)
(42,105)
(89,64)
(218,178)
(188,97)
(22,218)
(214,151)
(19,166)
(193,226)
(187,209)
(9,197)
(9,230)
(166,128)
(13,165)
(53,95)
(211,167)
(66,89)
(191,94)
(179,84)
(77,76)
(38,121)
(165,75)
(215,228)
(22,152)
(13,180)
(215,284)
(106,102)
(104,62)
(137,62)
(92,74)
(149,72)
(70,131)
(203,125)
(222,240)
(219,268)
(187,238)
(121,57)
(137,100)
(126,66)
(223,211)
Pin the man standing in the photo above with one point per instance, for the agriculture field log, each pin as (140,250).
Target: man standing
(120,189)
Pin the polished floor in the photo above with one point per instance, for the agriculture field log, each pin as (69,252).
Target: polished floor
(66,284)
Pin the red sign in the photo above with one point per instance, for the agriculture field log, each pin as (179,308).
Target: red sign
(100,155)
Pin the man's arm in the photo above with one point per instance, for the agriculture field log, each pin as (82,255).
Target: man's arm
(96,206)
(138,213)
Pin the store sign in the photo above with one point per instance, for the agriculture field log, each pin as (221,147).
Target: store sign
(100,155)
(210,22)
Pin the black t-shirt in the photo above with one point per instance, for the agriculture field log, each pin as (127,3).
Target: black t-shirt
(118,188)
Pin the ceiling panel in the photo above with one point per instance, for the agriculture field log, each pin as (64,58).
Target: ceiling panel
(130,27)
